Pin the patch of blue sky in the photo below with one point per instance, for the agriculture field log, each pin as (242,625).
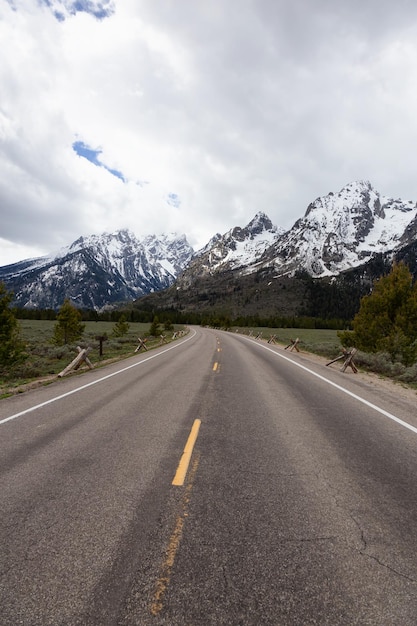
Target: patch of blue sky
(62,8)
(59,16)
(92,155)
(116,173)
(174,200)
(100,10)
(88,153)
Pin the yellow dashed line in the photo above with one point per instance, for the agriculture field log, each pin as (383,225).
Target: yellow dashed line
(186,456)
(173,545)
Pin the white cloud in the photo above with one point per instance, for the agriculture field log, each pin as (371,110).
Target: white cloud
(234,107)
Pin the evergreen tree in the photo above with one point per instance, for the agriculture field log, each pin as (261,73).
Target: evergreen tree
(69,327)
(121,327)
(168,325)
(11,345)
(387,318)
(154,329)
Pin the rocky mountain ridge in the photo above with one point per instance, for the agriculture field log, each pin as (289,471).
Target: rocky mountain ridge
(98,271)
(237,249)
(338,233)
(344,230)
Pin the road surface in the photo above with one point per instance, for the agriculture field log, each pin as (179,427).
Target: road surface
(297,502)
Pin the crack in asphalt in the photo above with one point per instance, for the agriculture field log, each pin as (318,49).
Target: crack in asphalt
(363,552)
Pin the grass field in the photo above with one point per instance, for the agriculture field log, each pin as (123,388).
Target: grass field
(42,330)
(44,359)
(325,342)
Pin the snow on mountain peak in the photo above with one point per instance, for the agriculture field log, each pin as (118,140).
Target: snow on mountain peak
(111,267)
(260,223)
(237,248)
(339,231)
(343,230)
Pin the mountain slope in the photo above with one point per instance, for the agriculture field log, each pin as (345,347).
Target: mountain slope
(98,271)
(237,249)
(343,242)
(342,231)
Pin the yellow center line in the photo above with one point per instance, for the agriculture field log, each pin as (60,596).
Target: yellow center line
(186,455)
(173,545)
(215,366)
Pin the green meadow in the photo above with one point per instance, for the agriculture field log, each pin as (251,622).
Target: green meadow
(45,360)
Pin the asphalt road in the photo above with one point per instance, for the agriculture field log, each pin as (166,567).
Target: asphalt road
(299,504)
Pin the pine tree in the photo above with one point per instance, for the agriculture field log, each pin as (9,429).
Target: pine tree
(121,327)
(168,325)
(387,318)
(68,327)
(154,329)
(11,345)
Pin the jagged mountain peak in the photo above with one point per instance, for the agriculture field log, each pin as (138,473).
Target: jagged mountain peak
(260,227)
(260,223)
(343,230)
(237,248)
(339,231)
(355,186)
(348,199)
(98,270)
(117,239)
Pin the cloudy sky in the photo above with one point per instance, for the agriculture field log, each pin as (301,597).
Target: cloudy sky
(193,115)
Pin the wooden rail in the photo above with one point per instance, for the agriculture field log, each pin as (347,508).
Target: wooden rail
(347,355)
(75,364)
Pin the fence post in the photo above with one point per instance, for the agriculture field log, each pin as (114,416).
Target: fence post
(348,356)
(142,343)
(349,362)
(293,344)
(100,339)
(75,364)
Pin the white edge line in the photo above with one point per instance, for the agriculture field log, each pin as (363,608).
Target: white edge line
(94,382)
(346,391)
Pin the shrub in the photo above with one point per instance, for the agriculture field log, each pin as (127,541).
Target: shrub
(410,375)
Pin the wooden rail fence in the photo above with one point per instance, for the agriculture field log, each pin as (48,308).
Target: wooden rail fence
(79,359)
(347,355)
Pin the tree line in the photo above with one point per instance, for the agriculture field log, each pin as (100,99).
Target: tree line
(174,316)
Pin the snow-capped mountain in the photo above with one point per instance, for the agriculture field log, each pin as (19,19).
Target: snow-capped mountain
(355,229)
(100,270)
(342,231)
(339,231)
(237,249)
(240,246)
